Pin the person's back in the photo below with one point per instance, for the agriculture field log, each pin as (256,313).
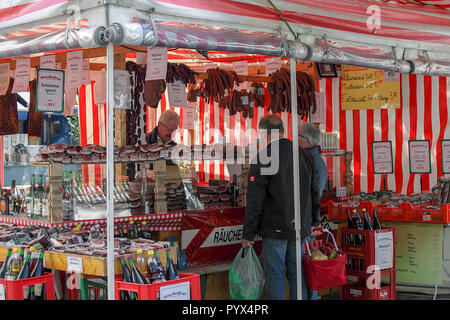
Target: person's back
(278,209)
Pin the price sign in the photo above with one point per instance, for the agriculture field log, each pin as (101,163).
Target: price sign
(2,292)
(50,90)
(47,62)
(4,78)
(75,264)
(177,94)
(21,76)
(445,156)
(164,154)
(189,114)
(156,63)
(419,156)
(179,291)
(272,65)
(74,69)
(382,157)
(341,191)
(319,115)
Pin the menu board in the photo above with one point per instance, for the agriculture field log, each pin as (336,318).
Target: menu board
(419,156)
(382,157)
(445,155)
(366,88)
(418,253)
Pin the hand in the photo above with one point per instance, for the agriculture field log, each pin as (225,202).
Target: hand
(316,231)
(247,243)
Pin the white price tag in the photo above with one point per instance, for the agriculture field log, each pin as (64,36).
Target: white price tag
(341,191)
(164,154)
(47,62)
(156,63)
(2,292)
(4,77)
(75,264)
(74,69)
(177,94)
(272,65)
(179,291)
(426,217)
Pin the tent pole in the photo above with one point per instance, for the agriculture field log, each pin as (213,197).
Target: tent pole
(110,167)
(296,176)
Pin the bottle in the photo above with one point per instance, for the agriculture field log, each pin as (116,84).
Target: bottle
(4,203)
(5,264)
(172,272)
(34,257)
(175,245)
(357,224)
(376,221)
(136,276)
(121,235)
(349,238)
(161,272)
(31,198)
(125,295)
(367,222)
(37,291)
(14,264)
(40,196)
(12,198)
(25,270)
(145,233)
(141,263)
(131,230)
(135,230)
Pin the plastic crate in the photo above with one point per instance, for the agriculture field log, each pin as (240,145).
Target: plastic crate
(360,257)
(338,212)
(14,288)
(360,291)
(392,214)
(420,215)
(150,291)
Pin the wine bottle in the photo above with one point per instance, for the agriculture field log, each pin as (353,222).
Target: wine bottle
(4,204)
(25,270)
(349,239)
(14,264)
(136,276)
(376,221)
(135,230)
(357,222)
(121,235)
(37,291)
(40,196)
(25,273)
(126,295)
(31,197)
(12,198)
(367,222)
(172,272)
(141,264)
(5,264)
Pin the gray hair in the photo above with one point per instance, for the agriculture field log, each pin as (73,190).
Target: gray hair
(310,131)
(169,116)
(271,122)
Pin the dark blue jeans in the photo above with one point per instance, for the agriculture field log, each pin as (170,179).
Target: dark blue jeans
(280,262)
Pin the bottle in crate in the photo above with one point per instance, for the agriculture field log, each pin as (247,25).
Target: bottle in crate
(136,275)
(3,269)
(125,295)
(15,264)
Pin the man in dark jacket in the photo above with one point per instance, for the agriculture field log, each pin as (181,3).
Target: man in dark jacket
(167,124)
(270,207)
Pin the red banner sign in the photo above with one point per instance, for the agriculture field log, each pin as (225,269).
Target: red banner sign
(213,235)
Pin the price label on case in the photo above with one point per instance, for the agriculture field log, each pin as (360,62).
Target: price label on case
(164,154)
(426,217)
(2,292)
(75,264)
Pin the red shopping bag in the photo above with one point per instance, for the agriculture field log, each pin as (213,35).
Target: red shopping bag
(324,274)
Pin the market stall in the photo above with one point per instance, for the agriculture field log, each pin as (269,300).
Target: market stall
(110,160)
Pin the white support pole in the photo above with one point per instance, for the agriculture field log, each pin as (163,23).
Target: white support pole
(296,176)
(110,167)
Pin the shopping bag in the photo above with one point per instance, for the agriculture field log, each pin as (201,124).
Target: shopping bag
(246,276)
(324,274)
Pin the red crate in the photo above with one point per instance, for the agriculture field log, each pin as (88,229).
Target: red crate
(14,288)
(337,212)
(418,214)
(392,214)
(363,255)
(150,291)
(360,291)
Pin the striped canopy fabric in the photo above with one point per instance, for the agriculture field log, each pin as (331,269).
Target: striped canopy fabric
(423,115)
